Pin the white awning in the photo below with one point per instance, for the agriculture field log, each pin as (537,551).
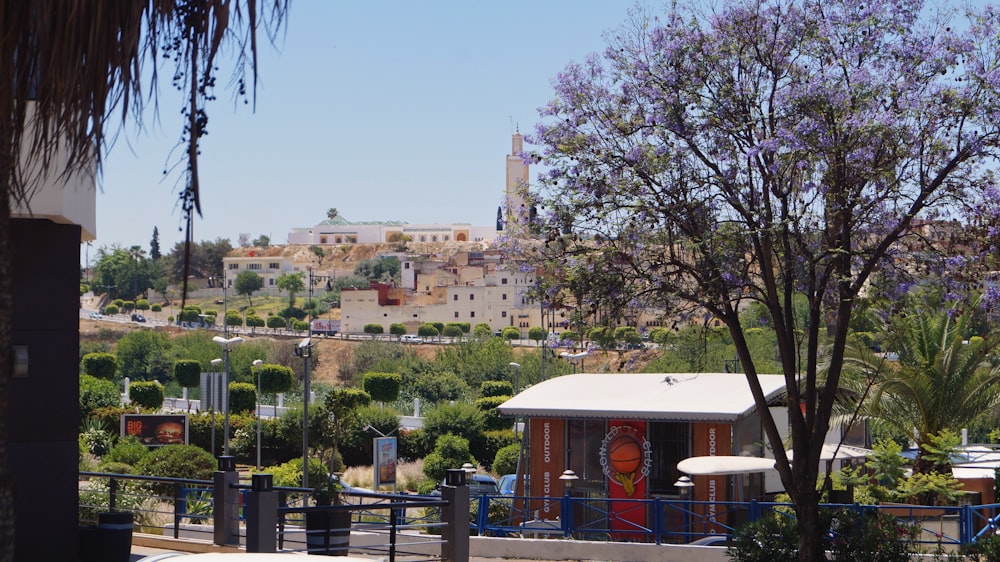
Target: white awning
(724,464)
(702,397)
(831,451)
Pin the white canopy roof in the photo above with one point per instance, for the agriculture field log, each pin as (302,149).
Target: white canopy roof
(724,464)
(705,397)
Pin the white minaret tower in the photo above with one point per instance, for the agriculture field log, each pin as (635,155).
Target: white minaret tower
(517,186)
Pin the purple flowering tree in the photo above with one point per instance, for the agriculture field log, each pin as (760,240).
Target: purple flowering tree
(769,149)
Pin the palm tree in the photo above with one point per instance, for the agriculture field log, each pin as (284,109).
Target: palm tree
(940,381)
(74,66)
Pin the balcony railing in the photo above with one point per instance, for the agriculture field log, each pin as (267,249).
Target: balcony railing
(434,527)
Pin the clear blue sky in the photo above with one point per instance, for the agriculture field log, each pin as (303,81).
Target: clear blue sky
(384,110)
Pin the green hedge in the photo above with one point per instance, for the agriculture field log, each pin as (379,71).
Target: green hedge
(148,394)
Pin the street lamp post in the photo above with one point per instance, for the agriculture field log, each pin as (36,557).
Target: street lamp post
(574,357)
(227,346)
(568,477)
(257,364)
(212,398)
(304,350)
(684,486)
(517,376)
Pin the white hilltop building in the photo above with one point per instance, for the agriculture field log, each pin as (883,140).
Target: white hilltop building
(339,230)
(342,231)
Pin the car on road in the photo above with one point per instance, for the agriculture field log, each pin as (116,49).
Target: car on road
(409,338)
(96,316)
(479,484)
(506,485)
(138,318)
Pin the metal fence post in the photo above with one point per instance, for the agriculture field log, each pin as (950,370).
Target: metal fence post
(226,502)
(112,493)
(262,514)
(455,517)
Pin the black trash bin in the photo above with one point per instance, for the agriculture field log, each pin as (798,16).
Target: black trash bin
(328,533)
(110,540)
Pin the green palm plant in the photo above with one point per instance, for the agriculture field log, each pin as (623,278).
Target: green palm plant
(940,381)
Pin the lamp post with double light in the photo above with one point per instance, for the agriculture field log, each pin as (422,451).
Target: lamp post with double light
(227,346)
(257,364)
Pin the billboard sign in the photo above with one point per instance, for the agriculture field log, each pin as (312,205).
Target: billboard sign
(385,461)
(156,430)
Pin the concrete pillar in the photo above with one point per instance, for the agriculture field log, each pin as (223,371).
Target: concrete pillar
(226,503)
(455,517)
(262,514)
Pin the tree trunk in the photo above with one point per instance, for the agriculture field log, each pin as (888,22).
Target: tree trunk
(810,534)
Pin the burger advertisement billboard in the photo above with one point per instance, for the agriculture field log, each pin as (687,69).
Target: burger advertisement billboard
(156,430)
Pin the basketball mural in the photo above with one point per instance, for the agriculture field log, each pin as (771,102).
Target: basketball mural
(626,457)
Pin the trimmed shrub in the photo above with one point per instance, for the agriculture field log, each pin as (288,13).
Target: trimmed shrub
(100,365)
(242,397)
(461,419)
(510,333)
(383,387)
(142,304)
(156,307)
(439,387)
(491,442)
(450,451)
(373,329)
(97,393)
(427,331)
(397,329)
(254,321)
(496,388)
(491,416)
(505,461)
(187,372)
(536,333)
(276,378)
(482,330)
(177,461)
(452,331)
(111,309)
(276,323)
(148,394)
(128,450)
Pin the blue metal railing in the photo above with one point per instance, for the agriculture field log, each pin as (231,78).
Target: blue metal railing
(661,520)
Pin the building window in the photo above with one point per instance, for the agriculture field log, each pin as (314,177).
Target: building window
(455,297)
(503,314)
(234,266)
(472,297)
(406,265)
(423,237)
(322,239)
(472,314)
(447,238)
(255,266)
(503,280)
(503,297)
(272,265)
(456,314)
(270,281)
(434,238)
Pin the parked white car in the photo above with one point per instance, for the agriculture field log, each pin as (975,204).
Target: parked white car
(409,338)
